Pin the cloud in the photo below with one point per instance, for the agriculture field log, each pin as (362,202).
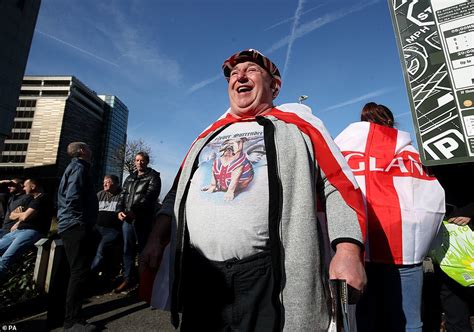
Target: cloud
(289,19)
(77,48)
(135,46)
(292,35)
(204,83)
(306,28)
(115,32)
(356,100)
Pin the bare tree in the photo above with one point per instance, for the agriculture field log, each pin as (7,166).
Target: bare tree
(127,154)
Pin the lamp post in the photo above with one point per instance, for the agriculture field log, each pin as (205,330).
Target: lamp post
(302,98)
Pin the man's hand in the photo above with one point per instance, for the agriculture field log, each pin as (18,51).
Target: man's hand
(346,264)
(15,226)
(122,216)
(460,221)
(151,256)
(157,241)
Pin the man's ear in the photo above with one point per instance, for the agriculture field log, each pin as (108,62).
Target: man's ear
(273,87)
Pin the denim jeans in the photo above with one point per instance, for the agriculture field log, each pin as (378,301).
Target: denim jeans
(135,236)
(13,245)
(108,237)
(392,299)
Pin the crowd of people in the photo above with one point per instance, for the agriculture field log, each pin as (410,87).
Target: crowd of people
(265,210)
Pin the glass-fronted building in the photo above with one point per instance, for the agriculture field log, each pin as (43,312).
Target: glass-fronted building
(115,135)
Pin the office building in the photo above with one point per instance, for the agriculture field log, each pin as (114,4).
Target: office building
(52,112)
(115,135)
(17,24)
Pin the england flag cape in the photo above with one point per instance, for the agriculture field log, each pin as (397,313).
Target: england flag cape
(326,152)
(405,204)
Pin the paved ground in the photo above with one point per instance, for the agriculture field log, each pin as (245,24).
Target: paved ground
(109,312)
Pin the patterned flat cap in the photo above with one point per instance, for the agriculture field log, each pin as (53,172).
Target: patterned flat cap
(257,57)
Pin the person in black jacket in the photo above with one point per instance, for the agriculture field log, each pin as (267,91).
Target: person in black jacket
(455,300)
(136,209)
(17,198)
(31,223)
(77,214)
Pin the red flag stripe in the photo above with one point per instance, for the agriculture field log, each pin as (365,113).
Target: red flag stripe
(326,159)
(381,195)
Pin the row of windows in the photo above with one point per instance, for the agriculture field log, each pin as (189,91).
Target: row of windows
(20,136)
(57,83)
(60,93)
(47,93)
(13,159)
(25,114)
(27,103)
(47,82)
(16,147)
(22,124)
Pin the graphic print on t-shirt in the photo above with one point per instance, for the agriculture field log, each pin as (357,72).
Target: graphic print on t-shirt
(234,157)
(227,202)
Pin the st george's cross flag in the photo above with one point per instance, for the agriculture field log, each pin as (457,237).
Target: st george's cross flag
(405,204)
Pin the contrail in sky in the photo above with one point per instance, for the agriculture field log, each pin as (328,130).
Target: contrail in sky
(292,37)
(402,114)
(372,94)
(306,28)
(298,33)
(77,48)
(202,84)
(289,19)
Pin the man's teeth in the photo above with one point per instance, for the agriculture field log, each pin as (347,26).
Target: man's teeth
(243,89)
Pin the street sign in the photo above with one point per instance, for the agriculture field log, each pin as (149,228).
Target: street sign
(436,43)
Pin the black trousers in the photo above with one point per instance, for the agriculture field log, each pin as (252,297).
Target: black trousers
(233,295)
(443,294)
(79,244)
(455,301)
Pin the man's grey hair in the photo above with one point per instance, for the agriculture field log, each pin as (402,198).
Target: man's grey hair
(74,149)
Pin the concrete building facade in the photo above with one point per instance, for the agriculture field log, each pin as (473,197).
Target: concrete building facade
(52,112)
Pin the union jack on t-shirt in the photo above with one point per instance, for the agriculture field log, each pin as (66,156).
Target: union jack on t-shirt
(223,174)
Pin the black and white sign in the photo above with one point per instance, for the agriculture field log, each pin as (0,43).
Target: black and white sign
(436,43)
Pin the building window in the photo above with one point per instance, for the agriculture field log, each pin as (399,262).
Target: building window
(25,114)
(32,82)
(20,136)
(56,93)
(27,103)
(57,83)
(13,159)
(22,124)
(16,147)
(29,93)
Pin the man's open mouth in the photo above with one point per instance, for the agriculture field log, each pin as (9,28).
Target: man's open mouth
(244,89)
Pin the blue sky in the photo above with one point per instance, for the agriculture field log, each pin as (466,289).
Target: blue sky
(163,58)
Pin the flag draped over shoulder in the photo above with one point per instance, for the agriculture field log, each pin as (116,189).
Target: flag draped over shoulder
(327,154)
(405,204)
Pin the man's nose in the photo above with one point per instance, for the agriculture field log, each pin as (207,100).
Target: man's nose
(241,76)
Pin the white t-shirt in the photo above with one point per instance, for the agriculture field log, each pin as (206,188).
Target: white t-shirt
(227,203)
